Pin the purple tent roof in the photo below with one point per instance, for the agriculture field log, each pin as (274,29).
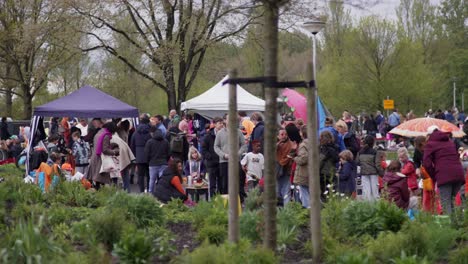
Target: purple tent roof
(87,102)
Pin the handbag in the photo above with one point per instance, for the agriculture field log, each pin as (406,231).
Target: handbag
(107,164)
(428,185)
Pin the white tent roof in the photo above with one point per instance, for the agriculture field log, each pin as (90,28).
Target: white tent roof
(217,98)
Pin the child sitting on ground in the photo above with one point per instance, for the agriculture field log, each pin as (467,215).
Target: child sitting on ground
(253,165)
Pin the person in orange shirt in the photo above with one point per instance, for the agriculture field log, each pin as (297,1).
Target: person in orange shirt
(169,186)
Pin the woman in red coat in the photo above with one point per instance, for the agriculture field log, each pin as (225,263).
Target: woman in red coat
(442,162)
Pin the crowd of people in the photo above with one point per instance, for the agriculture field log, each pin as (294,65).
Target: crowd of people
(164,155)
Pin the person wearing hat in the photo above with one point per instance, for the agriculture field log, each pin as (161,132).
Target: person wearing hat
(441,160)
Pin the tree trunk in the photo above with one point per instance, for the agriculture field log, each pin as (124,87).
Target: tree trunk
(27,103)
(172,102)
(8,94)
(271,93)
(233,176)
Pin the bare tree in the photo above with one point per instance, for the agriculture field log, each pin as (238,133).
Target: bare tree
(33,40)
(172,36)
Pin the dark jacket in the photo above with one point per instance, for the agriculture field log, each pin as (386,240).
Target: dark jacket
(369,160)
(257,134)
(346,177)
(441,159)
(417,158)
(210,156)
(328,158)
(172,132)
(164,190)
(352,143)
(157,150)
(138,142)
(396,187)
(4,131)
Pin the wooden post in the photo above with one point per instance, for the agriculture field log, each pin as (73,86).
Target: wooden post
(233,162)
(270,44)
(313,167)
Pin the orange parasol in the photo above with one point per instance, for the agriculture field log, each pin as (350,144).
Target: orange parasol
(418,127)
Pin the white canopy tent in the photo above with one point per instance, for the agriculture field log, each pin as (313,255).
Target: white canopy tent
(215,101)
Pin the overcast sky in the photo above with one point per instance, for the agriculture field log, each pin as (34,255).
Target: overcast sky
(385,9)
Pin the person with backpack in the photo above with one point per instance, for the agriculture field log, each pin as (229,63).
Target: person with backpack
(178,144)
(371,167)
(328,156)
(156,155)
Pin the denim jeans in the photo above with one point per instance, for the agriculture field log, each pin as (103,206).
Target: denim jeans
(155,173)
(126,178)
(283,184)
(304,192)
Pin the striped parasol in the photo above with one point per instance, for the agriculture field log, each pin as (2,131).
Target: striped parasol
(418,127)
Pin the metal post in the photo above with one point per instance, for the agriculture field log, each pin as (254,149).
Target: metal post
(463,101)
(233,163)
(314,164)
(454,93)
(388,98)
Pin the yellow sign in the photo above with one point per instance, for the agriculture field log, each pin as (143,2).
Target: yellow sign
(388,104)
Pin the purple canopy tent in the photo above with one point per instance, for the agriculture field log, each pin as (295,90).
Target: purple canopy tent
(85,102)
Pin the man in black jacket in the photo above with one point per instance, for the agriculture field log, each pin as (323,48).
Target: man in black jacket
(211,158)
(157,156)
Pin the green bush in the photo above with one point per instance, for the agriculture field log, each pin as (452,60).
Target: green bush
(213,212)
(134,247)
(459,256)
(107,225)
(16,191)
(361,217)
(227,253)
(143,210)
(427,240)
(286,236)
(28,242)
(293,214)
(163,242)
(58,214)
(404,259)
(72,194)
(352,258)
(249,225)
(254,200)
(332,218)
(176,211)
(215,234)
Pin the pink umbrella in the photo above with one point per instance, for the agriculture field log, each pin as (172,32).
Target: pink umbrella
(297,102)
